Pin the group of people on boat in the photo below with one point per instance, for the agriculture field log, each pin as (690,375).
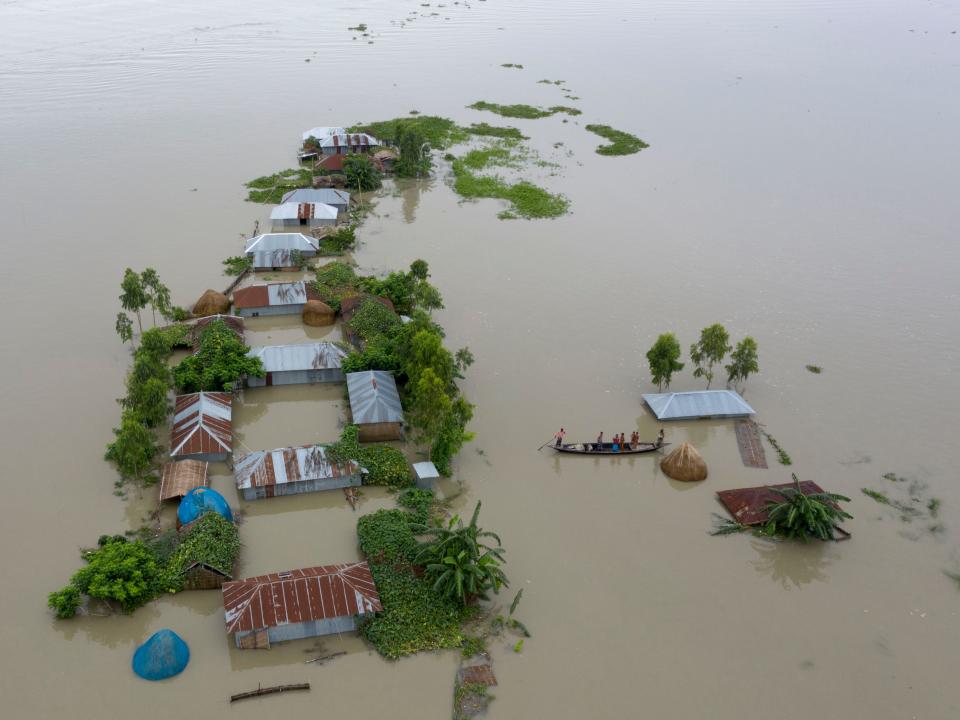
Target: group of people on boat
(618,443)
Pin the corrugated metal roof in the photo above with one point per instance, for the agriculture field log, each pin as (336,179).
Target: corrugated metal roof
(749,505)
(344,139)
(296,596)
(202,424)
(300,210)
(305,356)
(698,404)
(286,465)
(181,477)
(426,470)
(269,242)
(273,294)
(323,131)
(326,196)
(374,397)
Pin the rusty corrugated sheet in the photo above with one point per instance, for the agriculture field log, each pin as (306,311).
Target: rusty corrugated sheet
(181,477)
(748,442)
(304,211)
(267,468)
(251,297)
(308,594)
(202,424)
(477,675)
(748,506)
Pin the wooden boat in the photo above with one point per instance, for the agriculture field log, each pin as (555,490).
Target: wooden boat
(605,448)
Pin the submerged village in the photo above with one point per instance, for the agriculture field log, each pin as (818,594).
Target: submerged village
(427,575)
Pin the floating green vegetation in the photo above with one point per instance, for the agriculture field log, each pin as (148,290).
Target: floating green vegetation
(913,503)
(621,143)
(551,82)
(955,576)
(528,112)
(507,133)
(338,242)
(501,155)
(572,97)
(876,495)
(439,132)
(782,455)
(526,199)
(472,646)
(271,188)
(362,27)
(515,66)
(815,369)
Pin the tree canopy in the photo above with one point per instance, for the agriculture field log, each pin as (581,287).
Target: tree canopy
(218,364)
(361,173)
(713,346)
(664,359)
(744,361)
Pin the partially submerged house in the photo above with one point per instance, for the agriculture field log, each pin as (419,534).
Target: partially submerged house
(340,199)
(273,299)
(425,474)
(299,604)
(280,251)
(305,363)
(292,471)
(375,405)
(698,404)
(336,141)
(180,477)
(202,427)
(303,214)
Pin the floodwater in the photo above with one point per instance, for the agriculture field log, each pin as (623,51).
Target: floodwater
(800,187)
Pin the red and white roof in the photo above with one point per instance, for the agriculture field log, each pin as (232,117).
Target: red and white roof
(202,424)
(287,465)
(309,594)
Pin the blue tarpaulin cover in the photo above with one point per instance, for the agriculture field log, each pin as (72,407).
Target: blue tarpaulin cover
(164,655)
(202,500)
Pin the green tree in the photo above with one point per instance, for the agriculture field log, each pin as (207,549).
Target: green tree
(148,400)
(415,159)
(429,404)
(219,363)
(133,448)
(664,359)
(459,563)
(713,346)
(157,294)
(743,361)
(124,327)
(361,174)
(133,296)
(451,435)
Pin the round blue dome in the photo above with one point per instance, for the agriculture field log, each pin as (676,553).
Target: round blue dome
(202,500)
(164,655)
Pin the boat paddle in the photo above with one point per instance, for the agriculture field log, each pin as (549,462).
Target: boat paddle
(545,444)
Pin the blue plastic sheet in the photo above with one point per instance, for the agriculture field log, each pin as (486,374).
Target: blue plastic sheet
(164,655)
(202,500)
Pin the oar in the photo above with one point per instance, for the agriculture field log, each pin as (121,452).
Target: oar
(545,444)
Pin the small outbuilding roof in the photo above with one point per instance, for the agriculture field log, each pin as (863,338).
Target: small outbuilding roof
(274,294)
(181,477)
(297,596)
(426,470)
(374,397)
(271,242)
(287,465)
(698,404)
(304,356)
(326,196)
(202,424)
(304,211)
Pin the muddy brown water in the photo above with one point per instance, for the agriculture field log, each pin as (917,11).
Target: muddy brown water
(800,187)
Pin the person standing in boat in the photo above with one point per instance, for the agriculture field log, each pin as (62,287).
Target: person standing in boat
(660,438)
(560,435)
(599,445)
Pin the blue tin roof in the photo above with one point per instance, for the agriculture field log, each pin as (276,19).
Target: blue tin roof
(698,404)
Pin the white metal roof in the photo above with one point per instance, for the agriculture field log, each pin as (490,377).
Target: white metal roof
(327,196)
(291,211)
(322,132)
(304,356)
(697,404)
(374,397)
(426,470)
(269,242)
(347,140)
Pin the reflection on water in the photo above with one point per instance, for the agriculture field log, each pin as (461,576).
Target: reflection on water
(792,564)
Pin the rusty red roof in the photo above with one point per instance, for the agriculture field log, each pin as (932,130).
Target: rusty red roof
(295,596)
(250,297)
(749,505)
(202,424)
(331,162)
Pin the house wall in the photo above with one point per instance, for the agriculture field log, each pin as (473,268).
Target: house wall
(209,457)
(298,377)
(424,483)
(298,488)
(294,223)
(298,631)
(200,578)
(296,309)
(379,432)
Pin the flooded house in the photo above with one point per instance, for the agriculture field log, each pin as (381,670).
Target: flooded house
(202,427)
(321,141)
(304,363)
(297,604)
(292,471)
(273,299)
(340,199)
(375,405)
(280,251)
(303,214)
(180,477)
(699,404)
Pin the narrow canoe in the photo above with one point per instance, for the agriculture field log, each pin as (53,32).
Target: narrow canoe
(606,448)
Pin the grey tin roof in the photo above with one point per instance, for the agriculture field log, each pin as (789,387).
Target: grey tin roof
(269,242)
(291,211)
(305,356)
(324,131)
(286,465)
(426,470)
(697,404)
(325,196)
(374,397)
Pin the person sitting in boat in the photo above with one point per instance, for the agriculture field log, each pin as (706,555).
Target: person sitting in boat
(660,438)
(616,443)
(599,446)
(560,435)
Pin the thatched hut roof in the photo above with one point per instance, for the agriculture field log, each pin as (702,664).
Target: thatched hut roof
(685,463)
(211,303)
(317,313)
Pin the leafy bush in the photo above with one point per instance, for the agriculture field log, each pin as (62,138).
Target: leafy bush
(335,281)
(439,132)
(418,502)
(213,540)
(272,188)
(385,536)
(361,173)
(220,362)
(373,318)
(799,516)
(340,241)
(385,465)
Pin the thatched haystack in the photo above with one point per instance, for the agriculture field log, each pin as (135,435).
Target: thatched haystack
(685,464)
(317,313)
(211,303)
